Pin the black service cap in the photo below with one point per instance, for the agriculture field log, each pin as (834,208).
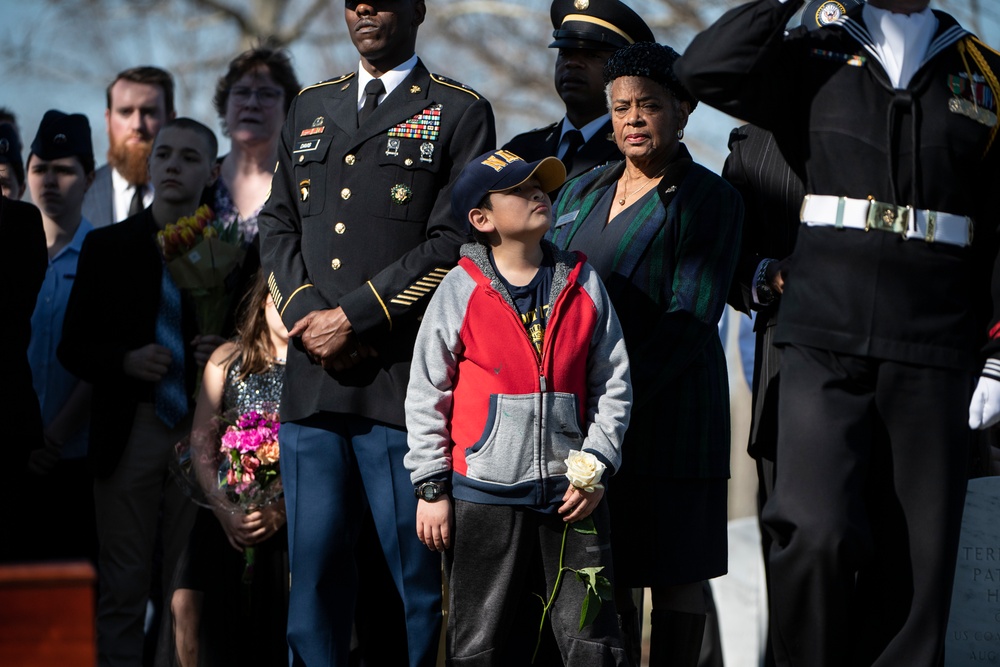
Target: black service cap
(596,24)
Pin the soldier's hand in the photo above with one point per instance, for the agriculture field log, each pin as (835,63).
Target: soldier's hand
(984,409)
(350,355)
(325,334)
(148,363)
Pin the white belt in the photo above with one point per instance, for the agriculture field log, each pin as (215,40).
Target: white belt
(866,214)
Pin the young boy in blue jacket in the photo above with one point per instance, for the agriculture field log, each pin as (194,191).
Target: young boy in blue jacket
(518,399)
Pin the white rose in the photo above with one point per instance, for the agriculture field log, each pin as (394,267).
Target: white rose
(584,470)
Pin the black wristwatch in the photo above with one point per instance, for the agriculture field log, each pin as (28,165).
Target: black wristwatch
(430,491)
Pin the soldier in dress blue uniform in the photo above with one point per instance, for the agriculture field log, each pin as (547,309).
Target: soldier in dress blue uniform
(586,32)
(355,237)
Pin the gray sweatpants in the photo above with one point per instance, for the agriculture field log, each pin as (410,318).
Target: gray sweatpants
(503,559)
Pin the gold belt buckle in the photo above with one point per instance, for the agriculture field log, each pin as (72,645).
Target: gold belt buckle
(887,217)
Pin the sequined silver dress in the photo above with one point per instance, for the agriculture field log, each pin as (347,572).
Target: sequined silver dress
(258,391)
(212,566)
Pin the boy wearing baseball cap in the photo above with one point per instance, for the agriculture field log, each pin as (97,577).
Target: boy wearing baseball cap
(518,398)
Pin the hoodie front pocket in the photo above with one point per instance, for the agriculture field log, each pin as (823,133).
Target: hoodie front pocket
(505,453)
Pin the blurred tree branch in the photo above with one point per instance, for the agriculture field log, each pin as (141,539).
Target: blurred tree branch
(498,47)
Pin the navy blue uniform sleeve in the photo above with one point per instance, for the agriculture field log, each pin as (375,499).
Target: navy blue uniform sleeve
(743,65)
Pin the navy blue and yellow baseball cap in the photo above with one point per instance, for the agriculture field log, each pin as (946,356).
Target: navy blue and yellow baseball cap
(497,171)
(64,135)
(604,25)
(819,13)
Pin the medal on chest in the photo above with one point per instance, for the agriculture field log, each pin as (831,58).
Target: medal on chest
(972,98)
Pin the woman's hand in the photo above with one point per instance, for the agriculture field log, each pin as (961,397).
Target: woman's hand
(578,504)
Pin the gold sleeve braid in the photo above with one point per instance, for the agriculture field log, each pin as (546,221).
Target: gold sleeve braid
(272,286)
(276,296)
(420,289)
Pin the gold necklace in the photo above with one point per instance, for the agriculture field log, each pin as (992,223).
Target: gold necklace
(621,202)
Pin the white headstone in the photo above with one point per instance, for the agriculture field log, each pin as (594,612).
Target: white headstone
(974,624)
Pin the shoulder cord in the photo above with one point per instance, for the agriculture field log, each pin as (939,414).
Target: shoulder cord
(969,45)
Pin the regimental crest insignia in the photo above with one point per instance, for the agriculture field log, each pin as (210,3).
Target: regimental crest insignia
(400,194)
(829,12)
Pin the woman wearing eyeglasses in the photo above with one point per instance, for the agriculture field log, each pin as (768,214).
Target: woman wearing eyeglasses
(252,100)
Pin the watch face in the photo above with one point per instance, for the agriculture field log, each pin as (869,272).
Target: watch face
(430,491)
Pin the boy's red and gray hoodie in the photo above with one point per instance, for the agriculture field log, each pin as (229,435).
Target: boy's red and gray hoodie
(484,408)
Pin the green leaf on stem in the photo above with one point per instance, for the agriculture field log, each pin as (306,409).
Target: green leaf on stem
(590,608)
(585,526)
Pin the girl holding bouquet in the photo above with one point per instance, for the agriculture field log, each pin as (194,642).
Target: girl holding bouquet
(235,570)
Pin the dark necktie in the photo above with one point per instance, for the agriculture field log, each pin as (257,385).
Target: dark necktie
(373,89)
(575,138)
(170,395)
(137,204)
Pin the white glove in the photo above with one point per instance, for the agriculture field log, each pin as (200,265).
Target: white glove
(984,410)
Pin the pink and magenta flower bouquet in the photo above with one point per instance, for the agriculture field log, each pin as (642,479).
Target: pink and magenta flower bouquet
(250,474)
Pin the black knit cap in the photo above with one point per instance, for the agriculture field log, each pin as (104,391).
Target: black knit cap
(651,60)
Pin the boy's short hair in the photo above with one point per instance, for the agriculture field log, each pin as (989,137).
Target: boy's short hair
(497,171)
(198,128)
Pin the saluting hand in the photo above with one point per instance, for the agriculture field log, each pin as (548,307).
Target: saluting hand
(148,363)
